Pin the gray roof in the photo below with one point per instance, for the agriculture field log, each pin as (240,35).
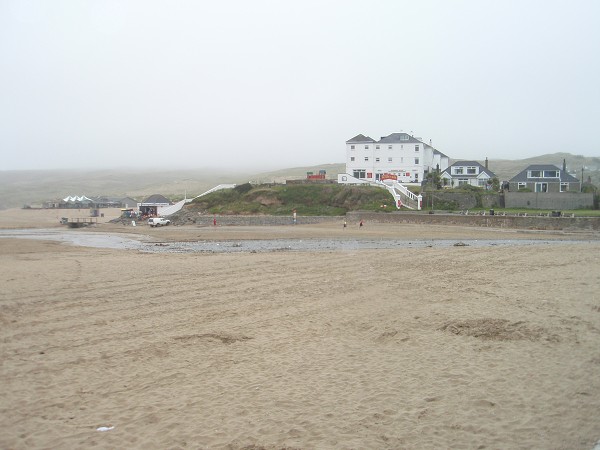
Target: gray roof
(435,151)
(403,138)
(482,169)
(360,138)
(394,138)
(564,176)
(157,198)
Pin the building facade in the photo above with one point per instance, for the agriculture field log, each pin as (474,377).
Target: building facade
(544,178)
(463,173)
(399,156)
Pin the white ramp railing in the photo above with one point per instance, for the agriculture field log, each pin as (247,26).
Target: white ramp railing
(167,211)
(216,188)
(402,195)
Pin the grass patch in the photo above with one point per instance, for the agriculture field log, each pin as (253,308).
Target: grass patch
(307,200)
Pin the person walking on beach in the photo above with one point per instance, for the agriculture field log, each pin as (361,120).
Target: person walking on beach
(345,224)
(360,224)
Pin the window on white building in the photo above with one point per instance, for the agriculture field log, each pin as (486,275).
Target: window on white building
(521,185)
(360,173)
(482,182)
(389,159)
(564,187)
(352,158)
(463,181)
(550,173)
(471,170)
(366,147)
(366,158)
(404,137)
(457,171)
(534,174)
(389,147)
(416,160)
(377,147)
(352,147)
(416,148)
(376,159)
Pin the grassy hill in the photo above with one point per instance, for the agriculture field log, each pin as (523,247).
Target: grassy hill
(18,188)
(306,199)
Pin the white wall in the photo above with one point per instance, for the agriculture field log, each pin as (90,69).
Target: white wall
(402,163)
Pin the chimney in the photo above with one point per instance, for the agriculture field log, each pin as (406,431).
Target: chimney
(486,163)
(565,165)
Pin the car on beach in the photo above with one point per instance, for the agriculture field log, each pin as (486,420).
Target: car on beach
(158,221)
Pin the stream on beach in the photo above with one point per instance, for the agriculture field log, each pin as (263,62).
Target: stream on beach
(142,244)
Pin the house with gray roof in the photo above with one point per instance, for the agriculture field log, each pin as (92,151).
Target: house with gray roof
(153,205)
(398,156)
(543,178)
(471,173)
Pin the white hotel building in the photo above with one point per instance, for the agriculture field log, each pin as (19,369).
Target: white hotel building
(398,156)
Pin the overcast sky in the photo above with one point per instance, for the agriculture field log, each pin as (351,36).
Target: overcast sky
(274,84)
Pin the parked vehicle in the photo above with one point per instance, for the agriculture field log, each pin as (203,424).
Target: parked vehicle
(158,221)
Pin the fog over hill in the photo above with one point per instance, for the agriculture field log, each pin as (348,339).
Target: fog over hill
(19,188)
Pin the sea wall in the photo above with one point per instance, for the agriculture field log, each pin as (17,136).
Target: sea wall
(517,222)
(512,222)
(232,220)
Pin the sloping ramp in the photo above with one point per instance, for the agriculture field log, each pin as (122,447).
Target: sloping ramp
(168,210)
(216,188)
(402,196)
(177,206)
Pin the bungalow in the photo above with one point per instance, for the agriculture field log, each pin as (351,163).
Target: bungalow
(153,205)
(544,178)
(467,173)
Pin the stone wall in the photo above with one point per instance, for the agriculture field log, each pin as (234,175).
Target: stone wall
(227,220)
(513,222)
(549,200)
(465,200)
(530,222)
(532,200)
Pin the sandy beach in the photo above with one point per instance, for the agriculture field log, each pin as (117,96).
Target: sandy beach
(458,347)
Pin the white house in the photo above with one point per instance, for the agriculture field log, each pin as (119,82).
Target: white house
(153,205)
(399,156)
(467,172)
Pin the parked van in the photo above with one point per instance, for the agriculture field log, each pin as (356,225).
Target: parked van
(158,221)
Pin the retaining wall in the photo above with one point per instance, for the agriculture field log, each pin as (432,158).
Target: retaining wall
(227,220)
(549,200)
(510,222)
(516,222)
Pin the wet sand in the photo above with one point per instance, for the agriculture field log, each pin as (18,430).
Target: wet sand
(455,347)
